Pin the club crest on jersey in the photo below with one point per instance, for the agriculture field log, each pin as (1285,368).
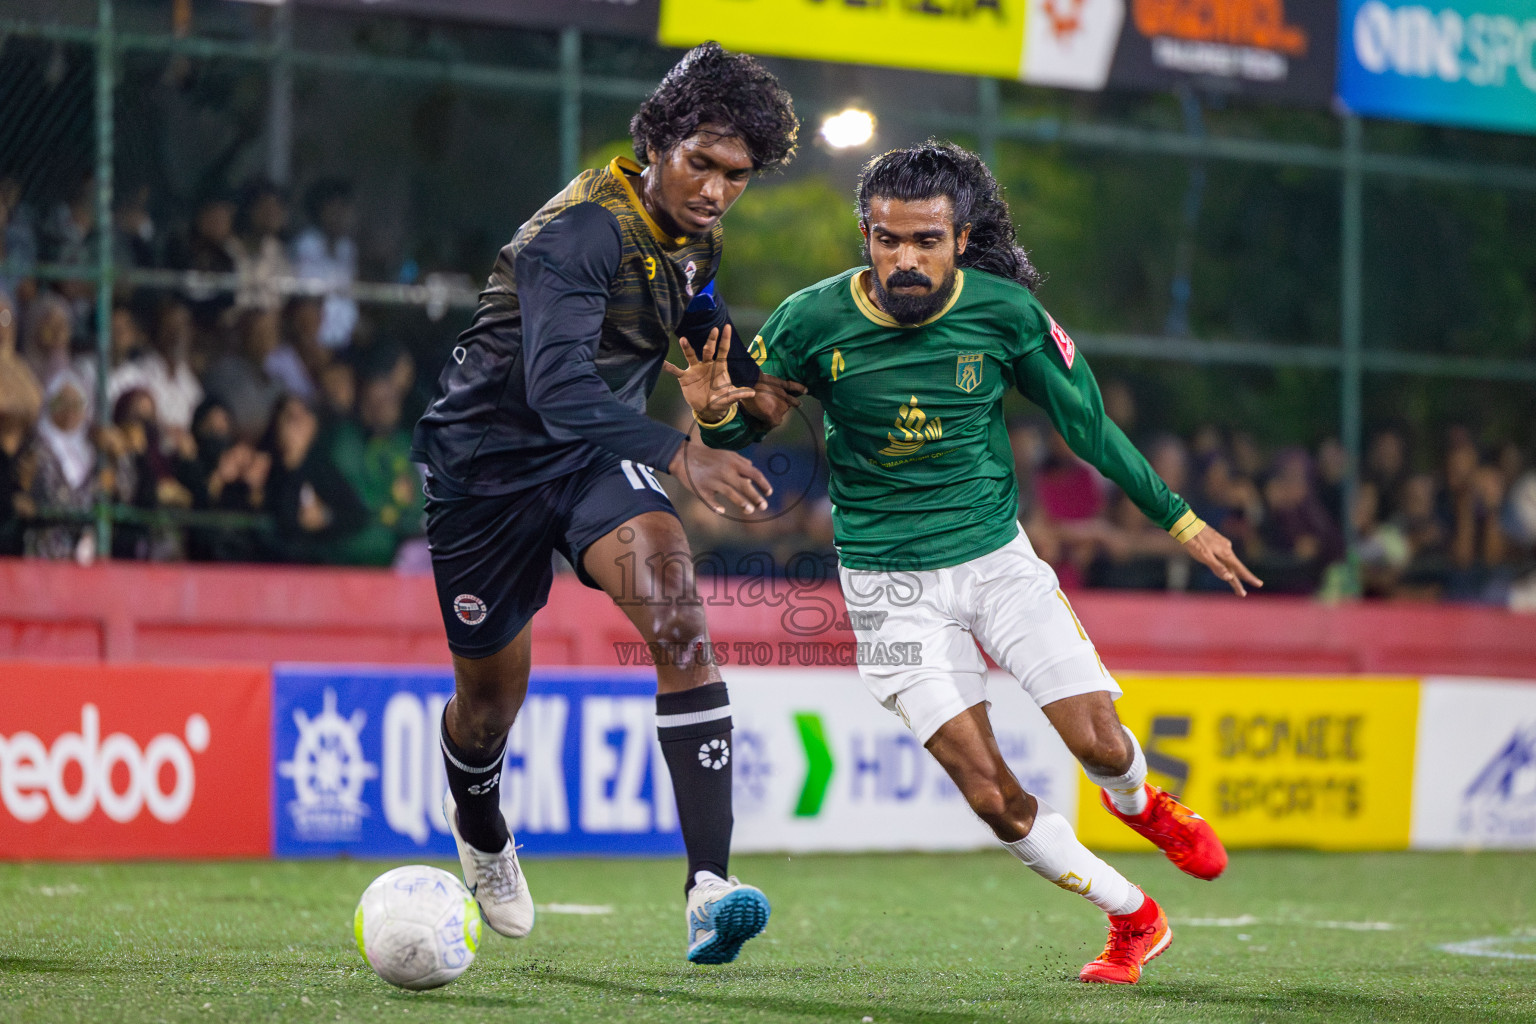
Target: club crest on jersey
(968,372)
(470,609)
(1063,343)
(688,272)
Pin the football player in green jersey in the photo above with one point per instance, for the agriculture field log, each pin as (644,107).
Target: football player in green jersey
(910,358)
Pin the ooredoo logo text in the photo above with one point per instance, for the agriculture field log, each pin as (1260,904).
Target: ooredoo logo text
(77,772)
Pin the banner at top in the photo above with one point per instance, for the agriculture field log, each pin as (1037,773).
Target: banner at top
(966,37)
(1466,62)
(1276,48)
(618,17)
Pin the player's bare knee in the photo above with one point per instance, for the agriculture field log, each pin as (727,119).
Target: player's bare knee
(680,636)
(480,722)
(1104,750)
(1004,806)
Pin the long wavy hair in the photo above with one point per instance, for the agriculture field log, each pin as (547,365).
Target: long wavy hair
(944,169)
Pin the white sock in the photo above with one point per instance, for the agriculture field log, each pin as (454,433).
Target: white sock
(1052,851)
(1127,791)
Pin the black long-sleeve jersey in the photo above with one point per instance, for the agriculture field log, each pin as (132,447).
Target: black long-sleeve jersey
(567,343)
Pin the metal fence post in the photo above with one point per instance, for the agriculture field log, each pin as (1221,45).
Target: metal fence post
(280,96)
(1351,328)
(570,103)
(987,96)
(106,66)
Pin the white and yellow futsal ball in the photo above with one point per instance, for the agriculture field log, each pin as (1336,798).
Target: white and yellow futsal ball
(417,926)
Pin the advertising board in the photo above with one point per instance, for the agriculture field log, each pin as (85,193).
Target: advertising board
(1463,62)
(820,765)
(970,37)
(1274,760)
(816,764)
(1275,49)
(619,17)
(118,761)
(1474,781)
(356,765)
(1280,49)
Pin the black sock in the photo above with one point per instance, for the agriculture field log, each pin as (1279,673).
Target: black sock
(475,782)
(694,728)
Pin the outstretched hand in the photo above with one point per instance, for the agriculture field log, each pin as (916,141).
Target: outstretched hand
(706,382)
(1210,548)
(772,399)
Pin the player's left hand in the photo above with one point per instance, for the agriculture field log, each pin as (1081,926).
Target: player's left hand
(772,399)
(706,382)
(1210,548)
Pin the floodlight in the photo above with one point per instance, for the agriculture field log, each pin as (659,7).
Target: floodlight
(851,127)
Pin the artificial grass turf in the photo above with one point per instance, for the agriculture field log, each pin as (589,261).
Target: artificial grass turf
(945,939)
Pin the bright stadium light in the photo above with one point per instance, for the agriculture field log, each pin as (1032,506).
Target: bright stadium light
(851,127)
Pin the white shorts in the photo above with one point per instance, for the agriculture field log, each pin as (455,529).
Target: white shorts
(1006,601)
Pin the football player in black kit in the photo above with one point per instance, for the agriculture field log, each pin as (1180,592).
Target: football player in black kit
(538,441)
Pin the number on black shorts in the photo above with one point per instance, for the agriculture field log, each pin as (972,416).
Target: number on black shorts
(640,476)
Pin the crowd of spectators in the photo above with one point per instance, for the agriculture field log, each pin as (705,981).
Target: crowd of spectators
(277,405)
(1450,520)
(285,408)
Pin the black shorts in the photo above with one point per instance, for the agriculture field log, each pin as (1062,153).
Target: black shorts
(493,557)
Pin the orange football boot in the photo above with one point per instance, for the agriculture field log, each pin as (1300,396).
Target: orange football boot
(1186,838)
(1134,940)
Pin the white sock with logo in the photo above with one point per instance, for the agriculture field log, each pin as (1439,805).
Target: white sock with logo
(1126,791)
(1052,851)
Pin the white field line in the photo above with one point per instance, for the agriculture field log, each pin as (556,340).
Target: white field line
(1486,947)
(1248,920)
(579,909)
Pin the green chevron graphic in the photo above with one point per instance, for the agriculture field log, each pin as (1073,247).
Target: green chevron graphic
(818,764)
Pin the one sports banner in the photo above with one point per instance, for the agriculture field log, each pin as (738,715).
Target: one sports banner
(970,37)
(1463,62)
(356,767)
(619,17)
(820,765)
(1274,48)
(116,761)
(1474,784)
(1274,760)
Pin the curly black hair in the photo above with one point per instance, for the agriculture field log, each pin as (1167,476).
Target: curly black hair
(944,169)
(712,87)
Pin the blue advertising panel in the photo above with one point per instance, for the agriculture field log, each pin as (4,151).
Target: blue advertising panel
(1463,62)
(356,767)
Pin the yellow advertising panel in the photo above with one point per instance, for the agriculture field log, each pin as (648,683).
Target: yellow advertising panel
(974,37)
(1317,762)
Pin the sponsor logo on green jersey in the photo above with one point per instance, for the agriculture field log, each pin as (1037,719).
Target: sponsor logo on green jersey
(916,430)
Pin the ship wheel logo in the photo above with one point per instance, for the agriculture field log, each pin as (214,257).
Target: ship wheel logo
(328,770)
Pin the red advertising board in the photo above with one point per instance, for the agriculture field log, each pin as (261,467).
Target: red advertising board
(112,761)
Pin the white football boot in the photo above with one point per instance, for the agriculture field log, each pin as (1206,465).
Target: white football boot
(722,915)
(495,879)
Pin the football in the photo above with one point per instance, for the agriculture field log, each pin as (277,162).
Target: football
(417,926)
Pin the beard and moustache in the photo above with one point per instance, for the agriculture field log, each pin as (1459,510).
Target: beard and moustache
(915,308)
(911,309)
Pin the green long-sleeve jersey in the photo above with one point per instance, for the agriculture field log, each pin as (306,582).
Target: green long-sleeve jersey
(921,470)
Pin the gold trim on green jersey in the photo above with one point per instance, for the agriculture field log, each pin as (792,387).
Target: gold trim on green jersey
(862,300)
(717,424)
(621,167)
(1186,527)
